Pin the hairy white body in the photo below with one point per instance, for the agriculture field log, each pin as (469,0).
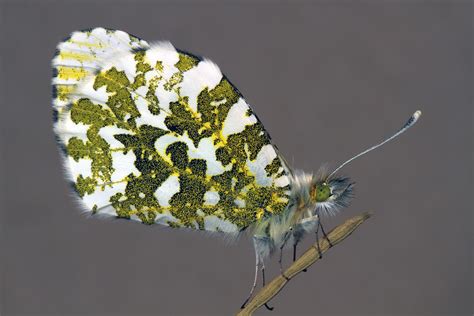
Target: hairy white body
(286,229)
(302,214)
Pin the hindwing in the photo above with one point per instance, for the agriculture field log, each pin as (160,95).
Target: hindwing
(161,136)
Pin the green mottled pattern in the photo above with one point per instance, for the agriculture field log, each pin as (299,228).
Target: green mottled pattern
(186,207)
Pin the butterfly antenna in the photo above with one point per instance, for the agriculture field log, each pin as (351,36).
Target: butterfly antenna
(411,121)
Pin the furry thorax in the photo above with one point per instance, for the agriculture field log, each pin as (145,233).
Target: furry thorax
(303,212)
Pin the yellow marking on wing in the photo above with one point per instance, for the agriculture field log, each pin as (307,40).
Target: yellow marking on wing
(204,127)
(74,73)
(222,138)
(87,44)
(164,156)
(76,56)
(276,198)
(64,91)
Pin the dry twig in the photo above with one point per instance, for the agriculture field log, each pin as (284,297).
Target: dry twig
(337,235)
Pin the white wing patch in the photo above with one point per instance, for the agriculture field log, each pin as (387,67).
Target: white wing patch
(205,75)
(214,223)
(257,167)
(211,198)
(101,198)
(166,54)
(69,129)
(207,152)
(166,191)
(124,165)
(108,132)
(80,167)
(165,218)
(237,119)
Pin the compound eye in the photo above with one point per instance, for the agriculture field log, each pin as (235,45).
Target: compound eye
(323,192)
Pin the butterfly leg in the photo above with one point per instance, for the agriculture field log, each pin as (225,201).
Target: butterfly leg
(294,254)
(261,246)
(294,251)
(316,220)
(324,234)
(317,242)
(320,225)
(280,260)
(263,285)
(257,265)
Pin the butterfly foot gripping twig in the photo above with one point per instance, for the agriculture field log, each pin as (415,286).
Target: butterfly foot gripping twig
(335,236)
(270,308)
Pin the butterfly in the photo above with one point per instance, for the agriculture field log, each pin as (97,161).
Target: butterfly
(158,135)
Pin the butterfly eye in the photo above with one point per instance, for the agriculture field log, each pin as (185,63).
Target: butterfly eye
(323,192)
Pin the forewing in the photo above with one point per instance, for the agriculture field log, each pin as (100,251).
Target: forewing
(161,136)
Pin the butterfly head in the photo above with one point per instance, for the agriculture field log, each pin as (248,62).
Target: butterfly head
(331,194)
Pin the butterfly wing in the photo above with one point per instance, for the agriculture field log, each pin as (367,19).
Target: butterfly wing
(161,136)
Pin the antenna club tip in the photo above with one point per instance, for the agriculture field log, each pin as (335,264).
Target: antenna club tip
(417,114)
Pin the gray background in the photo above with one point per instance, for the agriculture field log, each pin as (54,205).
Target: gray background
(327,79)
